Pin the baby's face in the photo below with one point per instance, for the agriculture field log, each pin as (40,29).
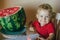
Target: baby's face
(43,17)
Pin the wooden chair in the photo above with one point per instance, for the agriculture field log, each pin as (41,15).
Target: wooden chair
(57,30)
(57,27)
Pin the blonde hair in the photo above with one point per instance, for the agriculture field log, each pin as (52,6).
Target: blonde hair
(46,7)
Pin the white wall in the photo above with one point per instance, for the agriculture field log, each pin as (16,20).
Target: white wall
(30,6)
(33,3)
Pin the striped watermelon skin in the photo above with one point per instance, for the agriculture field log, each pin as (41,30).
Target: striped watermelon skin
(13,24)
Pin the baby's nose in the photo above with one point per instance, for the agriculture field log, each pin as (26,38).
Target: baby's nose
(44,19)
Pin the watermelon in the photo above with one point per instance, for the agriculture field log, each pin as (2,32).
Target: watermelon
(12,20)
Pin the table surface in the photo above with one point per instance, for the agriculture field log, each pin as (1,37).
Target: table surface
(33,36)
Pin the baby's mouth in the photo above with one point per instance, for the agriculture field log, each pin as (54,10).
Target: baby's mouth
(42,24)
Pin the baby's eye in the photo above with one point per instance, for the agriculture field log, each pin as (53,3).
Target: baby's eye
(47,16)
(41,16)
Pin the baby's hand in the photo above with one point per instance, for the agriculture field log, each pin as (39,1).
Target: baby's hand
(31,29)
(42,38)
(28,38)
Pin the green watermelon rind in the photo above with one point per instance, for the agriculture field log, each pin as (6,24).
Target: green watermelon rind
(13,33)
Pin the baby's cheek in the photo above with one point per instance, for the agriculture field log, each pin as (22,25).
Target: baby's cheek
(40,19)
(47,21)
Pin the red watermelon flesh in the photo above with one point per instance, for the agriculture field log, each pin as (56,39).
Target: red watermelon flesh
(8,11)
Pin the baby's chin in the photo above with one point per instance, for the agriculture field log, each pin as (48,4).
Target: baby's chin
(42,24)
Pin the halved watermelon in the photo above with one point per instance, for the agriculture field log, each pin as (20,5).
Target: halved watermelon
(12,20)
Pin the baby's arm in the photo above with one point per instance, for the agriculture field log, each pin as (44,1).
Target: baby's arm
(31,27)
(51,31)
(51,35)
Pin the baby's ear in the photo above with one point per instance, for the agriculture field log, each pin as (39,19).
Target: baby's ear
(36,16)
